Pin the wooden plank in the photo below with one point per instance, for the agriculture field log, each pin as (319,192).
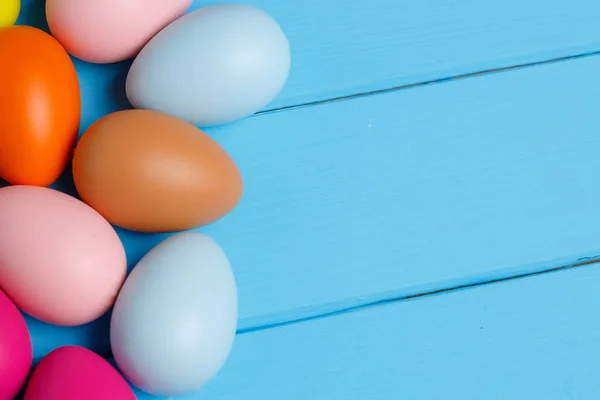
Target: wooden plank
(527,339)
(357,46)
(393,195)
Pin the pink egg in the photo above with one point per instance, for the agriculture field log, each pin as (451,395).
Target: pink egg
(76,373)
(106,31)
(60,260)
(15,349)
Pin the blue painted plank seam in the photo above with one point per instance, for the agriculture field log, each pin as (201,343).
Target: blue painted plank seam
(429,82)
(586,261)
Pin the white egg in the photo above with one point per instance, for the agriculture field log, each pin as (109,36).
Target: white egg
(174,321)
(214,65)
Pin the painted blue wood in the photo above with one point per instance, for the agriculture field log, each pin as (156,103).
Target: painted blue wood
(354,46)
(391,195)
(526,339)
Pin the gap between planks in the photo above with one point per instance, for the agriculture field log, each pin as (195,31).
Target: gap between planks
(579,263)
(429,82)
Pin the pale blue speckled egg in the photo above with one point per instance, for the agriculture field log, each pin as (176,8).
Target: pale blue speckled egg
(215,65)
(175,319)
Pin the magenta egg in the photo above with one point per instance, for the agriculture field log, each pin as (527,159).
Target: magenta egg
(15,349)
(76,373)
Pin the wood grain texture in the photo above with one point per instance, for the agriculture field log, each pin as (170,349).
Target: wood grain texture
(393,195)
(527,339)
(354,46)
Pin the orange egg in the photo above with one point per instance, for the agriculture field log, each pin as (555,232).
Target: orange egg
(151,172)
(40,106)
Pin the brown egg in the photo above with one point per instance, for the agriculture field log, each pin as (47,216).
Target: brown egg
(151,172)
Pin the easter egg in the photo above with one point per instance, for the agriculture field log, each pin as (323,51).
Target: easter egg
(174,322)
(9,12)
(60,261)
(106,31)
(212,66)
(39,106)
(75,373)
(151,172)
(15,349)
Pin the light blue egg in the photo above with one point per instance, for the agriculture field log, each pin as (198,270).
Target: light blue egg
(215,65)
(174,321)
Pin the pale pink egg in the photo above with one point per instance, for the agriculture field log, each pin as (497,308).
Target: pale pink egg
(15,349)
(75,373)
(106,31)
(60,260)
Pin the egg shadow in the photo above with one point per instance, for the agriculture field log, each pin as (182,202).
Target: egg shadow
(65,182)
(21,394)
(118,89)
(33,13)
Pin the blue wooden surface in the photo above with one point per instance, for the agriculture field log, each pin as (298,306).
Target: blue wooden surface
(377,198)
